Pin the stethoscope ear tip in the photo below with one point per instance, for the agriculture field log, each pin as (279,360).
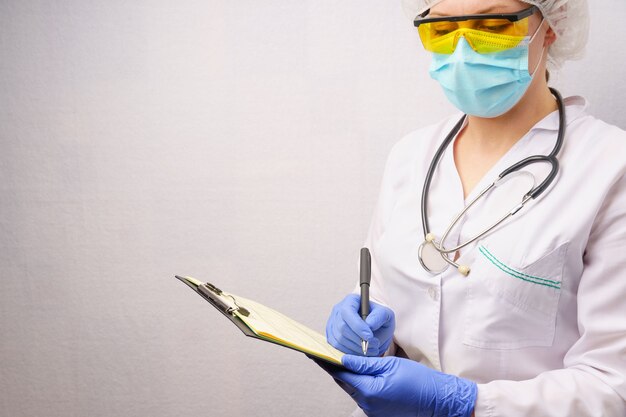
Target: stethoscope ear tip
(464,270)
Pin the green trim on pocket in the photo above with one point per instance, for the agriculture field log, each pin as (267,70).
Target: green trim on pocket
(517,274)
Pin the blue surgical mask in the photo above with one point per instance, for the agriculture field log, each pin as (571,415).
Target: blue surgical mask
(483,85)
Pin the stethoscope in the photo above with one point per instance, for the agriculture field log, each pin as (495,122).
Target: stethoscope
(432,254)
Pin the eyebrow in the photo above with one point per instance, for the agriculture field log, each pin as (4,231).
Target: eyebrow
(488,10)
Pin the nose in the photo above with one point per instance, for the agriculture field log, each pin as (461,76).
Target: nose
(463,46)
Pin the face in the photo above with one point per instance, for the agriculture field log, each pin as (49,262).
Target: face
(544,35)
(465,7)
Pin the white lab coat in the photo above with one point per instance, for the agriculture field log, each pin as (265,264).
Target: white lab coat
(540,322)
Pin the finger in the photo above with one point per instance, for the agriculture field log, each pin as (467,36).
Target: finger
(347,336)
(338,332)
(333,321)
(380,317)
(334,371)
(352,383)
(354,342)
(343,331)
(352,300)
(351,317)
(349,381)
(327,366)
(345,345)
(384,347)
(336,324)
(373,345)
(365,365)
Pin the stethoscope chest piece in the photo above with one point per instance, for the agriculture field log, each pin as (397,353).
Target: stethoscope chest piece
(431,259)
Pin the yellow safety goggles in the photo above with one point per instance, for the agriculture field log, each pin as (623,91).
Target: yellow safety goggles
(485,33)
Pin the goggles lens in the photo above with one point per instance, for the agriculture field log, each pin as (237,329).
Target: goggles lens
(484,33)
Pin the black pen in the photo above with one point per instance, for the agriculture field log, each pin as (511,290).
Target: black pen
(366,276)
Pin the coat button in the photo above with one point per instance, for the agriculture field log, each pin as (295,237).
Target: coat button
(433,293)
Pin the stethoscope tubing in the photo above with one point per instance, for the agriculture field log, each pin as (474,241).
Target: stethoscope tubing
(532,194)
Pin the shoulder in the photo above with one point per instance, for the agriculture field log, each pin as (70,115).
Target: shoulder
(589,128)
(593,132)
(595,145)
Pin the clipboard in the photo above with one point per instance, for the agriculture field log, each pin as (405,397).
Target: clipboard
(261,322)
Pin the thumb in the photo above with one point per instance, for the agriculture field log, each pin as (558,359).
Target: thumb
(365,365)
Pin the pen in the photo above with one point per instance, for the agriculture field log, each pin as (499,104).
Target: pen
(366,275)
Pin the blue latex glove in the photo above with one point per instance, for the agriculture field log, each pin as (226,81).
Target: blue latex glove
(345,328)
(397,387)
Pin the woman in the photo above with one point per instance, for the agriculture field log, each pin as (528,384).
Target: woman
(528,319)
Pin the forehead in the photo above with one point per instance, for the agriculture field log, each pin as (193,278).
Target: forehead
(465,7)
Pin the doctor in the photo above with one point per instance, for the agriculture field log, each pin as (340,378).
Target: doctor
(495,311)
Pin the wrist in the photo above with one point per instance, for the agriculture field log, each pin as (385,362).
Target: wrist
(468,395)
(462,402)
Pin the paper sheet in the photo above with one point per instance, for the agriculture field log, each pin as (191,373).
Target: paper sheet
(272,325)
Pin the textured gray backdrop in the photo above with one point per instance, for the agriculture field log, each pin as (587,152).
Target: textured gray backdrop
(237,142)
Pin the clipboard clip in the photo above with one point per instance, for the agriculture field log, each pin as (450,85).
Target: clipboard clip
(220,300)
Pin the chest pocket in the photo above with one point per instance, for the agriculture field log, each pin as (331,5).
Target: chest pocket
(509,306)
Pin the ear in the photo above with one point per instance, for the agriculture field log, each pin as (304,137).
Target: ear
(550,37)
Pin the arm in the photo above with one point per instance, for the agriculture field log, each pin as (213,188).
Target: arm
(345,329)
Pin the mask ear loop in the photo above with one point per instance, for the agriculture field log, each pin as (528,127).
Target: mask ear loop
(543,50)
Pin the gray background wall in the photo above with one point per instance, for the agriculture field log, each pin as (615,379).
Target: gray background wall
(238,142)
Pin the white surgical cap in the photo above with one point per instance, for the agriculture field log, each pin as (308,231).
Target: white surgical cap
(568,18)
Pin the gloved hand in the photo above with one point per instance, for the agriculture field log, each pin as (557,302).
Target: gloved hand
(392,386)
(345,328)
